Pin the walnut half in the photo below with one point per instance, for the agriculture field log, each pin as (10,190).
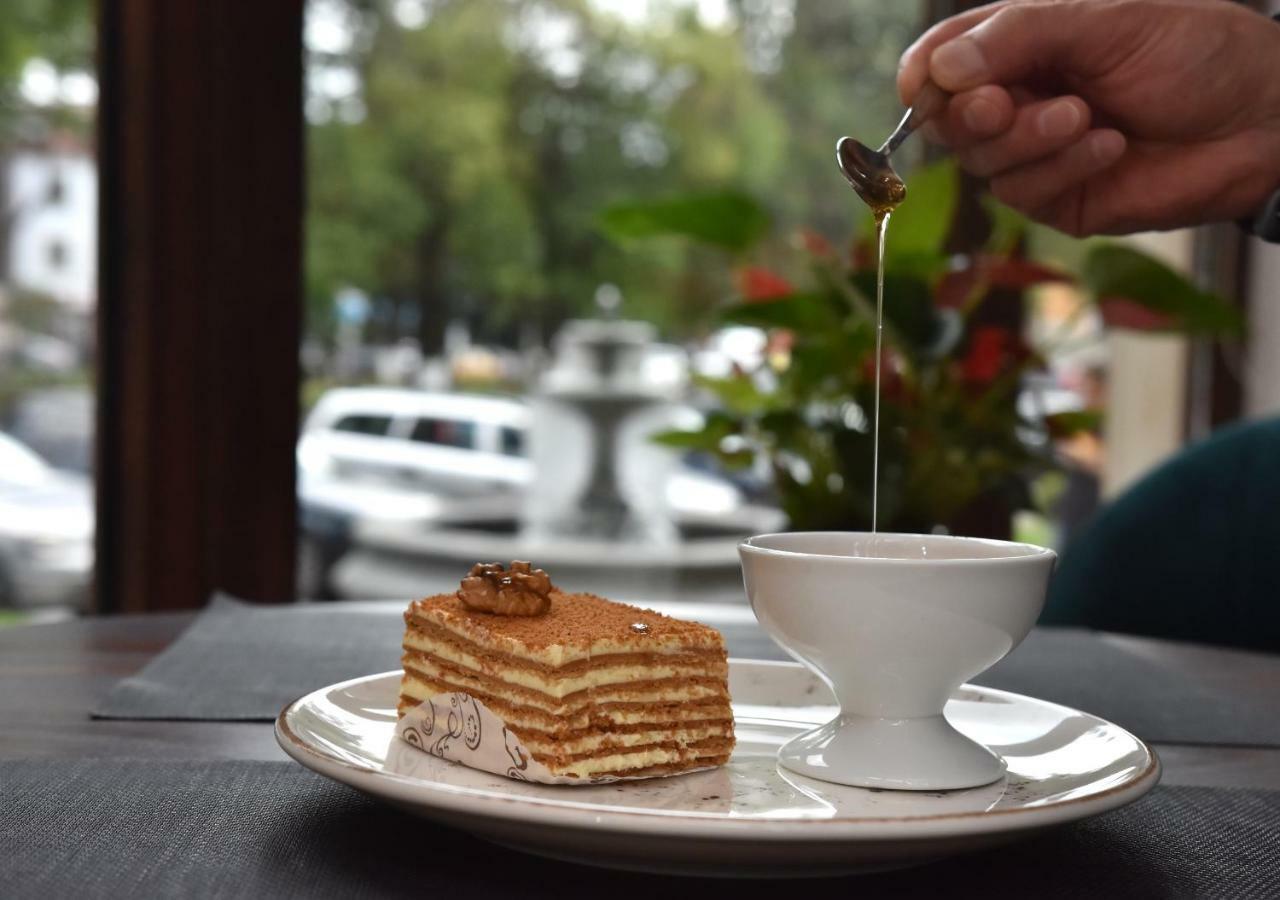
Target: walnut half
(520,591)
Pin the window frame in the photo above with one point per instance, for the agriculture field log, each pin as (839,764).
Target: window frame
(197,416)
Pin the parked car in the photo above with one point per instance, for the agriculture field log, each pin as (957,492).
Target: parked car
(402,455)
(46,531)
(413,452)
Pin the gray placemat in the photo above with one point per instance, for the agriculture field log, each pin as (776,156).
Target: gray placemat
(240,662)
(97,828)
(1156,701)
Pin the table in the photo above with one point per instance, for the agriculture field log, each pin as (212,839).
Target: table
(53,675)
(64,668)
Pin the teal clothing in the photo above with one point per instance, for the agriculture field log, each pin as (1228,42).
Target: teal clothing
(1191,552)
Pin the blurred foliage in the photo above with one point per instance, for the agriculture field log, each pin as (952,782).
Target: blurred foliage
(17,383)
(952,439)
(12,617)
(32,311)
(61,32)
(466,175)
(1119,275)
(727,220)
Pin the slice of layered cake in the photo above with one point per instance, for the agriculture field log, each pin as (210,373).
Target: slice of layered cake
(590,687)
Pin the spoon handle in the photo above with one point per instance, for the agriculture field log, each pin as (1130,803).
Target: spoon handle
(929,102)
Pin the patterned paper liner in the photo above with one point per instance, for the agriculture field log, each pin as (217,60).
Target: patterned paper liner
(461,729)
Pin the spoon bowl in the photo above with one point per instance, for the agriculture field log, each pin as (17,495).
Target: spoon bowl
(870,174)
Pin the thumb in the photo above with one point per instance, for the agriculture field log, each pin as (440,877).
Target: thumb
(1019,40)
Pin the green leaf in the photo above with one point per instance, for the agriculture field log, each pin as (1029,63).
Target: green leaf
(1065,424)
(725,219)
(680,439)
(738,393)
(799,312)
(1115,271)
(908,307)
(716,426)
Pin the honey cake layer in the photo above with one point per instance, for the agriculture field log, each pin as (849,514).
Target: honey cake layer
(590,740)
(677,749)
(625,763)
(577,626)
(421,633)
(610,669)
(701,762)
(417,687)
(656,690)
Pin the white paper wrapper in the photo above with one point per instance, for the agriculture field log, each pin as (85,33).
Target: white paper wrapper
(461,729)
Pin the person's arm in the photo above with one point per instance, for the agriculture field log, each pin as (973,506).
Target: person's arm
(1110,116)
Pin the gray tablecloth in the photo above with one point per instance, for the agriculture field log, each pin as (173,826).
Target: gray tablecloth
(244,662)
(241,662)
(97,828)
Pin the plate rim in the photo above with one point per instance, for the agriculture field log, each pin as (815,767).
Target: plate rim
(484,804)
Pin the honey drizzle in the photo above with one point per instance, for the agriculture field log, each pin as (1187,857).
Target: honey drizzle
(882,226)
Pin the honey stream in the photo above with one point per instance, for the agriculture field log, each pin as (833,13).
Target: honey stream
(882,226)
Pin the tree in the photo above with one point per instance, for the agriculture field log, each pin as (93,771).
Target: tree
(471,184)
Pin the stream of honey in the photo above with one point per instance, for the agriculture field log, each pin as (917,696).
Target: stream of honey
(882,226)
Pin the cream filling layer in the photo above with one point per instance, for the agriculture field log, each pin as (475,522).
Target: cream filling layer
(560,654)
(623,762)
(620,693)
(597,742)
(560,686)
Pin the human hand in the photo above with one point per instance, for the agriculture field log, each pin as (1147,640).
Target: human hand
(1109,116)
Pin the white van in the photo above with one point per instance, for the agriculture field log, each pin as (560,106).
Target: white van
(451,446)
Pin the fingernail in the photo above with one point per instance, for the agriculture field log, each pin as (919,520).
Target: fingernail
(981,115)
(959,63)
(1106,146)
(1058,120)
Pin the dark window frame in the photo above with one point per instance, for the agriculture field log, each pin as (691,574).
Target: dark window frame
(200,300)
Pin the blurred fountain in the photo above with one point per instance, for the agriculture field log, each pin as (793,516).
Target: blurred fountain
(597,515)
(595,388)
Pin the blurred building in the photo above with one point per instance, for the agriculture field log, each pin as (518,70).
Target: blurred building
(51,195)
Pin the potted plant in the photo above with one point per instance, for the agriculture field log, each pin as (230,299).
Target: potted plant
(955,452)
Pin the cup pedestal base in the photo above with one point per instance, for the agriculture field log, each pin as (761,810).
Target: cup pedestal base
(921,754)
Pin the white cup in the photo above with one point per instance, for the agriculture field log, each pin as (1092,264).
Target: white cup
(894,623)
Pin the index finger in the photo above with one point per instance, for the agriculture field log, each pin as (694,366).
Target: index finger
(913,68)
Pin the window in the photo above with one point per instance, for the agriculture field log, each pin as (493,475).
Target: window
(362,424)
(513,443)
(57,254)
(47,305)
(445,432)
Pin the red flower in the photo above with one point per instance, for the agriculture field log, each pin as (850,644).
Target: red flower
(816,244)
(758,284)
(1117,312)
(990,346)
(993,272)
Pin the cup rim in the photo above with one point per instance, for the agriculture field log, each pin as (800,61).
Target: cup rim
(1030,552)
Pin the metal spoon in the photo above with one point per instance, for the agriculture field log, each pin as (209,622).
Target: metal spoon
(869,171)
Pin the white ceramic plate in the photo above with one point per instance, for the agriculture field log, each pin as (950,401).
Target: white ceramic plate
(748,817)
